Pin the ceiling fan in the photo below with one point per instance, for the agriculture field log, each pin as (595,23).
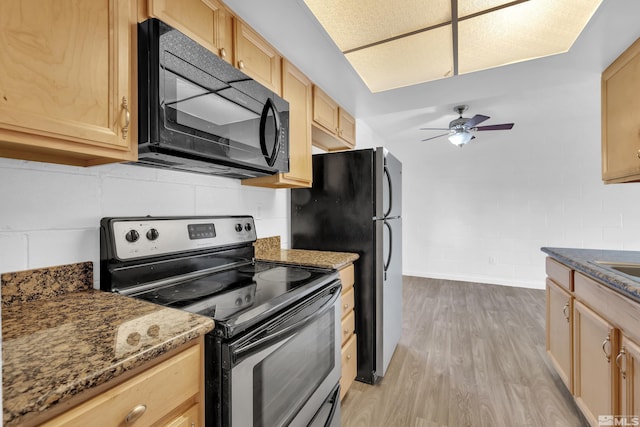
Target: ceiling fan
(460,130)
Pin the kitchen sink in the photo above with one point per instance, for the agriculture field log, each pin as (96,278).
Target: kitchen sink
(630,269)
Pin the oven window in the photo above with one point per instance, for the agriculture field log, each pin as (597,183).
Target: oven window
(284,380)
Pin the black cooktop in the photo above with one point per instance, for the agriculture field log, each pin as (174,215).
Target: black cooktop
(238,297)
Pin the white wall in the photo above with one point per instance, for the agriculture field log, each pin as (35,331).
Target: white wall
(50,214)
(481,213)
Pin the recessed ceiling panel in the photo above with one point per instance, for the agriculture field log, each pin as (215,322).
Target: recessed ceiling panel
(469,7)
(415,59)
(355,23)
(518,33)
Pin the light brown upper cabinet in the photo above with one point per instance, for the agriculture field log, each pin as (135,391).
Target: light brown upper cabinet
(621,118)
(257,58)
(296,89)
(207,22)
(67,73)
(334,129)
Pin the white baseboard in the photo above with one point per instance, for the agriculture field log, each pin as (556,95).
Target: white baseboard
(479,279)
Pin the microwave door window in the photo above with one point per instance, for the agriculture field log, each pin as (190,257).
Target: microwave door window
(212,119)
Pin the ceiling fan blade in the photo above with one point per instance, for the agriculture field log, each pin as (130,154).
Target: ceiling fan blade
(504,126)
(473,121)
(434,137)
(434,128)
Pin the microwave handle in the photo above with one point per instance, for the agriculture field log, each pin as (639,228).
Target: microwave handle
(270,157)
(253,347)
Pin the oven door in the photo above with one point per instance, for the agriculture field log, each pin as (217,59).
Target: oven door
(285,372)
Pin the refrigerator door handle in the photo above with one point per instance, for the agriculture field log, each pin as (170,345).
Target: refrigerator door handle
(388,260)
(388,176)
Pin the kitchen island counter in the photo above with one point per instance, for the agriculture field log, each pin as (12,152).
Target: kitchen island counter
(585,261)
(61,337)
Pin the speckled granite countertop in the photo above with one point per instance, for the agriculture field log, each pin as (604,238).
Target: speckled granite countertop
(268,249)
(583,260)
(60,337)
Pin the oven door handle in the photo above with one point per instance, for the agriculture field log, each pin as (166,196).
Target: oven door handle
(255,346)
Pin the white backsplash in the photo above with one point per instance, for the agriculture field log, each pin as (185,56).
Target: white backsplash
(50,214)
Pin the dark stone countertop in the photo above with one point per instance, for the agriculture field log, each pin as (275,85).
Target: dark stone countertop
(584,260)
(61,337)
(268,249)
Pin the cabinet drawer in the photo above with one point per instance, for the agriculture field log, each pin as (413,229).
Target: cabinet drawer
(349,365)
(348,301)
(161,388)
(346,277)
(559,273)
(348,326)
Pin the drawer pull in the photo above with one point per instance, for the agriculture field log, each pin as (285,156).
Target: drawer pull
(348,357)
(135,414)
(223,53)
(346,331)
(564,311)
(346,306)
(241,64)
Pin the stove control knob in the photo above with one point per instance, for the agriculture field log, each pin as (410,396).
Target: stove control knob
(239,301)
(132,236)
(152,234)
(238,227)
(247,227)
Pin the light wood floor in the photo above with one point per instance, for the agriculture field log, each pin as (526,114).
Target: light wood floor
(469,355)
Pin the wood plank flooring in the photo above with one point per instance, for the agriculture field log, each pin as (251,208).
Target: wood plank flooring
(470,355)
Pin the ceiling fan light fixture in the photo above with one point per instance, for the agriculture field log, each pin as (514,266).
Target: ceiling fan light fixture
(460,137)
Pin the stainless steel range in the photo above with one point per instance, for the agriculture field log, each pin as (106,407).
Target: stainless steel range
(274,356)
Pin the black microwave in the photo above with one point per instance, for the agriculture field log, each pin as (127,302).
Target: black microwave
(197,113)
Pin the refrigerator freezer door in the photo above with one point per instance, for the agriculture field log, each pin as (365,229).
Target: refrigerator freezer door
(389,291)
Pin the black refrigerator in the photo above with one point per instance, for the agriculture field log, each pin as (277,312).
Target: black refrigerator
(355,205)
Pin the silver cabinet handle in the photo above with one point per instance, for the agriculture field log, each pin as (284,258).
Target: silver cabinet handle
(127,117)
(564,311)
(223,53)
(135,414)
(241,64)
(623,353)
(604,344)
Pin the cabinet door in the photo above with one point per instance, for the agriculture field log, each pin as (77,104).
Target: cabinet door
(296,88)
(188,418)
(621,118)
(349,365)
(257,58)
(347,126)
(627,362)
(65,80)
(325,111)
(559,331)
(595,345)
(205,21)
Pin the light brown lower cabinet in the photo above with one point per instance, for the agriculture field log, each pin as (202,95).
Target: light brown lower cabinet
(595,343)
(167,394)
(628,364)
(349,345)
(604,373)
(560,331)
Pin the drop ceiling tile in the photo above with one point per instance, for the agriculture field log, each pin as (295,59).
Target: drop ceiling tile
(469,7)
(355,23)
(529,30)
(415,59)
